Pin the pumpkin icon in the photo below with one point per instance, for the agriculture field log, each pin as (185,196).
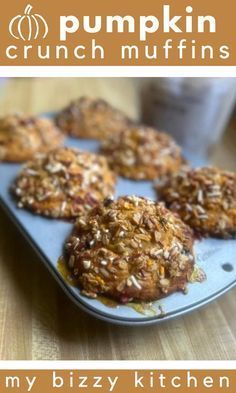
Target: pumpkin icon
(28,26)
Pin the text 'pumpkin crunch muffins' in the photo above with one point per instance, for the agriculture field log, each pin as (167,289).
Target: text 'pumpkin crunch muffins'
(142,153)
(205,198)
(91,118)
(21,137)
(130,249)
(64,183)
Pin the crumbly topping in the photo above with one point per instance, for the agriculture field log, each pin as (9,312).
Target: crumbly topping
(22,136)
(91,118)
(205,198)
(142,153)
(131,248)
(64,182)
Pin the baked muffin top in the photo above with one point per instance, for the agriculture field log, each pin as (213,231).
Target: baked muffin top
(142,153)
(205,198)
(130,249)
(91,118)
(63,183)
(22,136)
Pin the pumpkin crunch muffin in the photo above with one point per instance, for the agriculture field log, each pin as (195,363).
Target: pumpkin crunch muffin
(205,198)
(142,153)
(130,249)
(64,183)
(91,118)
(22,136)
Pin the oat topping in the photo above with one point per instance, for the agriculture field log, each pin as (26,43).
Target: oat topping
(205,198)
(142,153)
(22,136)
(91,118)
(130,249)
(64,183)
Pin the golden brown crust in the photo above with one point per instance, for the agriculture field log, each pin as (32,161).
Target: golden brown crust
(91,118)
(142,153)
(64,183)
(22,136)
(130,249)
(205,198)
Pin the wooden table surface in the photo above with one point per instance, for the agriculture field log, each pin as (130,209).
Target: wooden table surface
(37,320)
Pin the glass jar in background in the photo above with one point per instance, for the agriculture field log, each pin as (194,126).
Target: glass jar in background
(195,111)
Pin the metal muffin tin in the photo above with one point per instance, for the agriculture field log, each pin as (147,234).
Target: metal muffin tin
(47,236)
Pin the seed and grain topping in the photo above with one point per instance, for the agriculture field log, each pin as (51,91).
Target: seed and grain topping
(91,118)
(130,249)
(64,183)
(22,136)
(142,153)
(205,198)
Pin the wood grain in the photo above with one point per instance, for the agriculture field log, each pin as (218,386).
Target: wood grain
(37,321)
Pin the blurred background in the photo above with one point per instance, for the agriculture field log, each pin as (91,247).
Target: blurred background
(198,112)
